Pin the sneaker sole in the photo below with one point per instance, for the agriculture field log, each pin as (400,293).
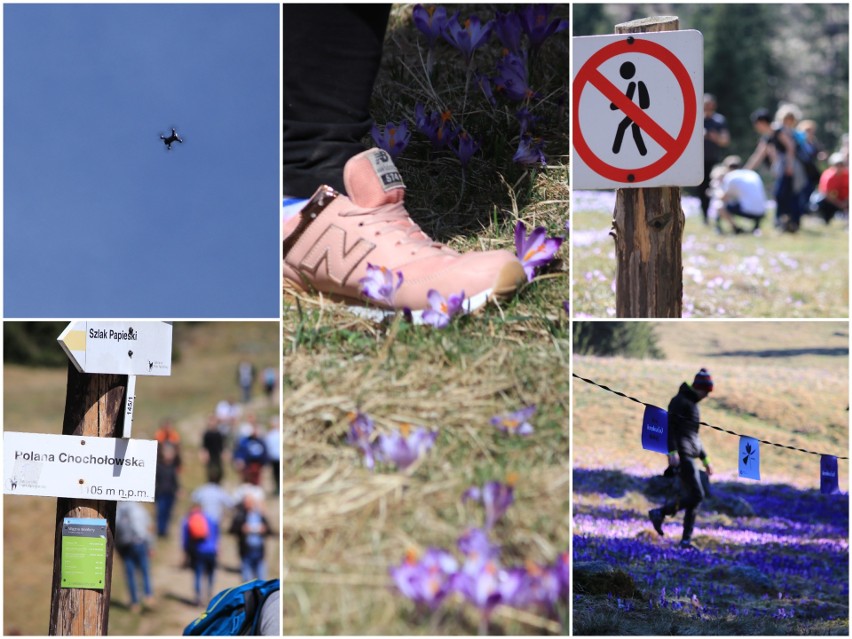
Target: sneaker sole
(510,278)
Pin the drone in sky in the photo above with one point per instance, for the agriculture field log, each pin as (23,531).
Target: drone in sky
(168,141)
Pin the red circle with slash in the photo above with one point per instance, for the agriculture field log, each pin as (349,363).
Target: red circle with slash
(590,75)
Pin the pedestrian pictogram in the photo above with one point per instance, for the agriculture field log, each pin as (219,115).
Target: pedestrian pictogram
(635,110)
(627,71)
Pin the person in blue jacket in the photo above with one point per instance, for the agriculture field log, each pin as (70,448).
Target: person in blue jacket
(200,539)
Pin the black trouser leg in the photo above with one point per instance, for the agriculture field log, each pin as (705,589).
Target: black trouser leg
(688,523)
(331,56)
(691,495)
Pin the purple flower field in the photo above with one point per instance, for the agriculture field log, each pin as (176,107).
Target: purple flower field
(777,566)
(769,275)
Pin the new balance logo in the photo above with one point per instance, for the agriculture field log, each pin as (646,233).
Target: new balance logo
(330,249)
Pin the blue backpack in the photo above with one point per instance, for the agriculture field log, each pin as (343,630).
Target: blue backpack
(235,611)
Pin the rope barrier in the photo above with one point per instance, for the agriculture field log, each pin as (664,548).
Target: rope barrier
(723,430)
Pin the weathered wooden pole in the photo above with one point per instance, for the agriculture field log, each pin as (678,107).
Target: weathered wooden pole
(94,407)
(647,227)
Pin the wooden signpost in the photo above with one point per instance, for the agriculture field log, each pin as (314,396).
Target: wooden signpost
(637,128)
(103,358)
(94,406)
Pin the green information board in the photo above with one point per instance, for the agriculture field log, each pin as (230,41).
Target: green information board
(83,553)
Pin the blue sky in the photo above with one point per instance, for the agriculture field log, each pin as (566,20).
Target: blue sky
(99,219)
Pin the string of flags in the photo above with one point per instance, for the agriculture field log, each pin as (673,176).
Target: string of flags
(655,428)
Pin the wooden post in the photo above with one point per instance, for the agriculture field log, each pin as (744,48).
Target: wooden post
(647,227)
(94,408)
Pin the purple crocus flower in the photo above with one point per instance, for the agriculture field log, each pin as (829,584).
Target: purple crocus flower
(430,20)
(507,27)
(378,285)
(441,310)
(511,79)
(563,573)
(542,584)
(535,250)
(465,146)
(527,120)
(403,448)
(393,139)
(530,151)
(515,423)
(426,581)
(494,497)
(484,83)
(438,127)
(534,23)
(468,37)
(360,430)
(486,585)
(475,545)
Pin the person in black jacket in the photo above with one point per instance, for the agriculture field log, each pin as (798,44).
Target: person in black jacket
(685,448)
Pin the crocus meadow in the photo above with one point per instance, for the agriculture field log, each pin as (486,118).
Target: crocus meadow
(787,560)
(474,571)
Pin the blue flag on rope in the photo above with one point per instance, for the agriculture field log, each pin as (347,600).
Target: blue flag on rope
(655,430)
(828,475)
(749,459)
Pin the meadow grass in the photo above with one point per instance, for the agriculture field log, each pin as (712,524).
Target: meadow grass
(805,275)
(786,382)
(203,372)
(345,526)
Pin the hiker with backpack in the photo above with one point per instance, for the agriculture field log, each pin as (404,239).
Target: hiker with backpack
(200,540)
(133,538)
(684,449)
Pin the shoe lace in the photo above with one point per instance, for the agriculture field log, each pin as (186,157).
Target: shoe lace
(393,218)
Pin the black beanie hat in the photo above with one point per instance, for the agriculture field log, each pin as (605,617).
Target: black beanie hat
(703,381)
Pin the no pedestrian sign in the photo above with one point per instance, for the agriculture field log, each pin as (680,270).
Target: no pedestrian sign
(636,118)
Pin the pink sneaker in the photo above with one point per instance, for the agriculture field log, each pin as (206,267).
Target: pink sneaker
(328,246)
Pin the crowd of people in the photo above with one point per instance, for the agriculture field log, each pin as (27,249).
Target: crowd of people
(235,450)
(805,178)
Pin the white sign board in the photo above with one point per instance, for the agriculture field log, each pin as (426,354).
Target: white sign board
(129,405)
(79,467)
(119,348)
(637,109)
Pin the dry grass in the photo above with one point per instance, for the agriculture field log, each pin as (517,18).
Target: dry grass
(345,526)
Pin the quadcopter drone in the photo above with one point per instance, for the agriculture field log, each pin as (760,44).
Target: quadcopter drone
(174,137)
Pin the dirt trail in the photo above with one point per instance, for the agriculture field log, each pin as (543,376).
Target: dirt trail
(173,584)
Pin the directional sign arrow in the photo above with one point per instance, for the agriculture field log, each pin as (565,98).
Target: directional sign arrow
(119,348)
